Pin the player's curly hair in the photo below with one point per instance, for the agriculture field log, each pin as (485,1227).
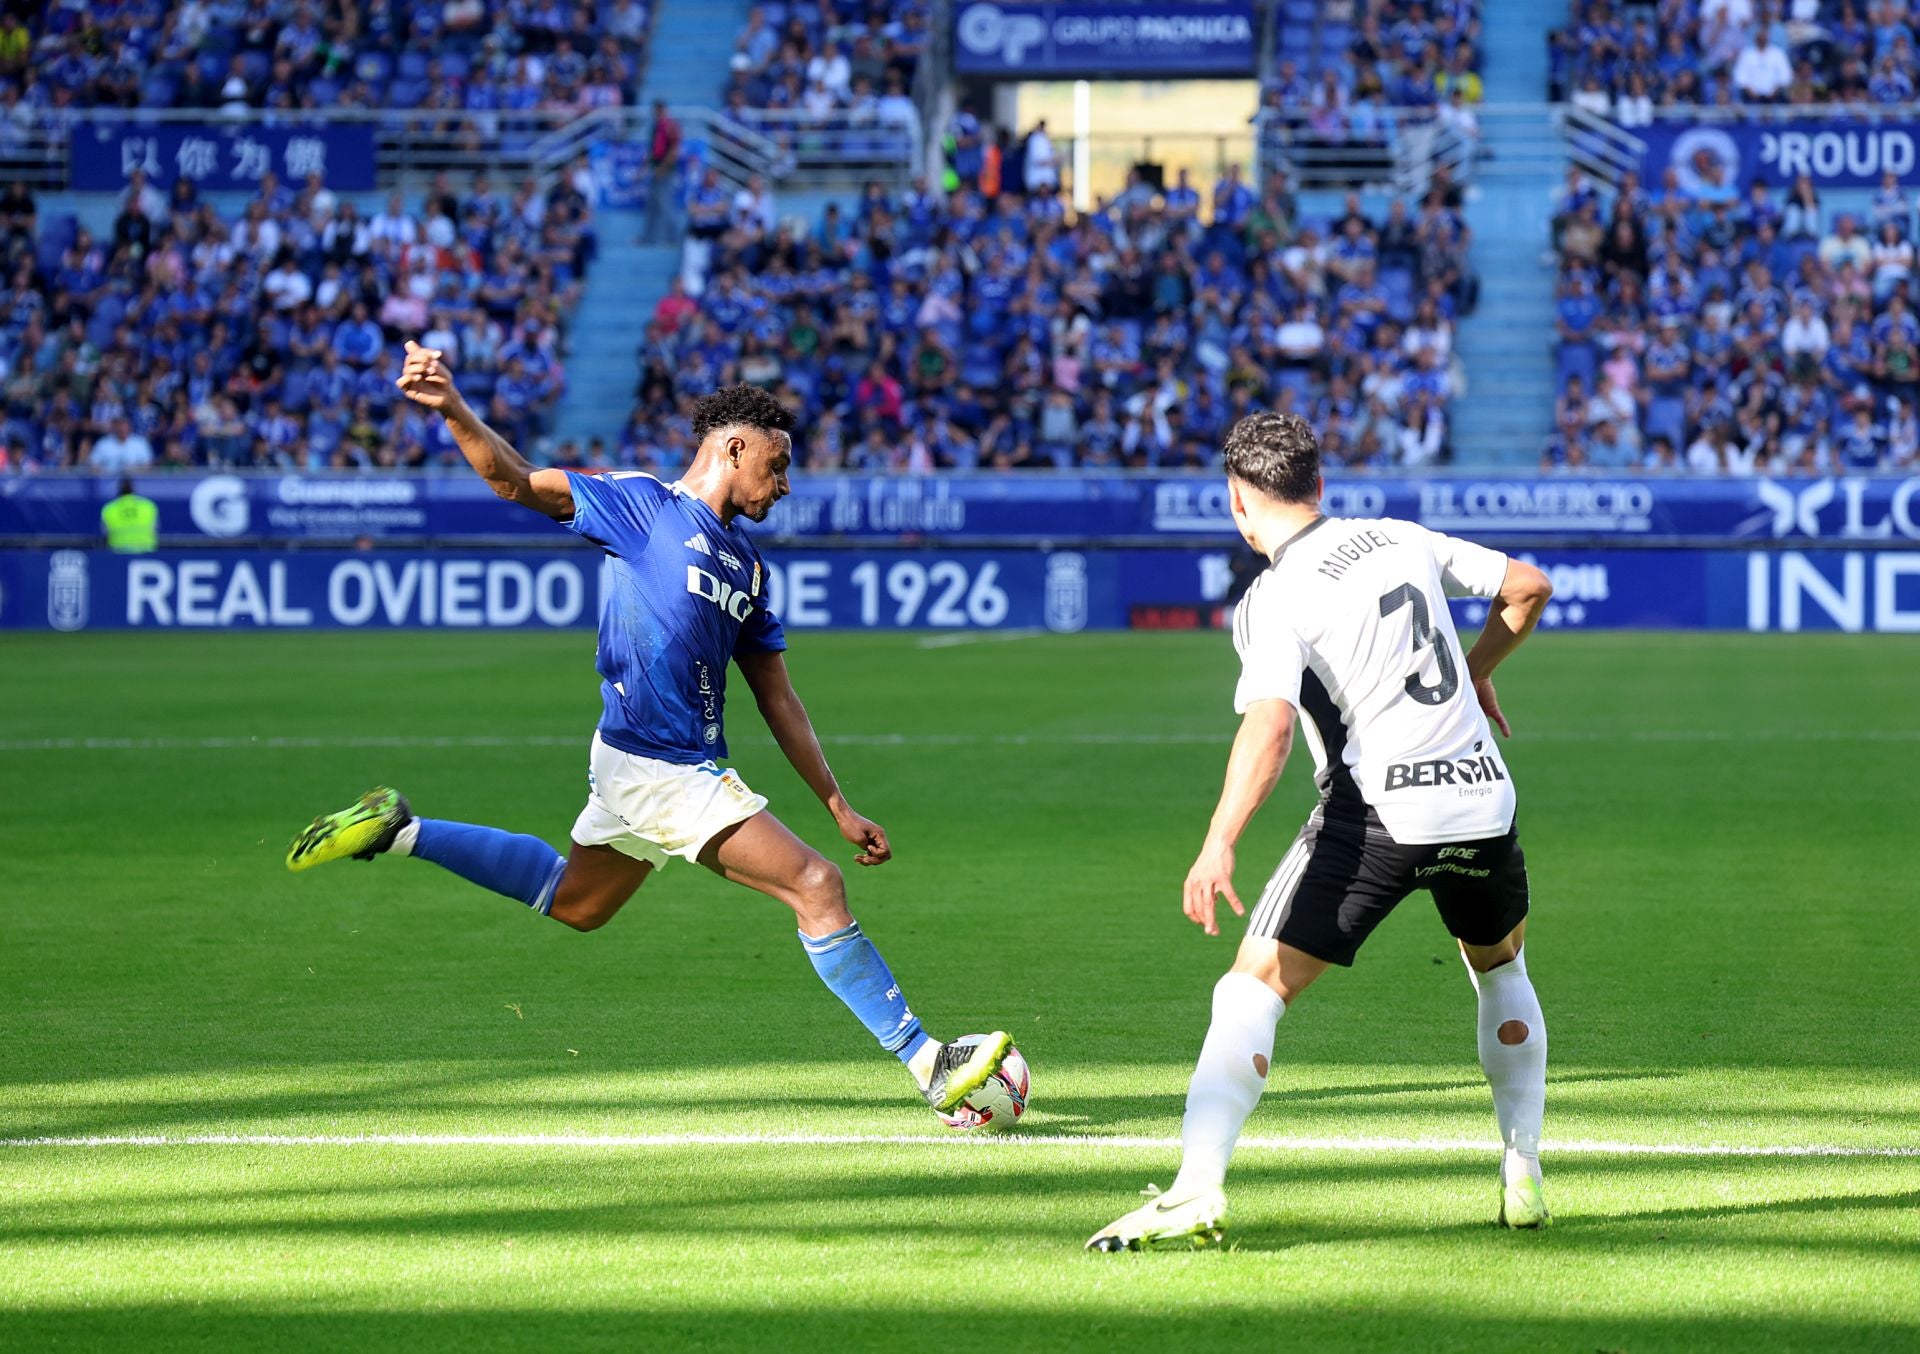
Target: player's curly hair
(1277,454)
(739,406)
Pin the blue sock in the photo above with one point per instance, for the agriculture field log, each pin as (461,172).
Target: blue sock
(518,866)
(849,965)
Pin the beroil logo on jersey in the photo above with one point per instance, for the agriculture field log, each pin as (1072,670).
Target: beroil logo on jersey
(1481,770)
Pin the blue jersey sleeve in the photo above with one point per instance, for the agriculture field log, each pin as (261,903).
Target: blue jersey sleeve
(761,632)
(616,511)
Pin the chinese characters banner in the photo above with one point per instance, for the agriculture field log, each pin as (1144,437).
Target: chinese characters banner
(221,157)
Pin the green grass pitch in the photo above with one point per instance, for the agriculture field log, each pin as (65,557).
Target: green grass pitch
(1720,832)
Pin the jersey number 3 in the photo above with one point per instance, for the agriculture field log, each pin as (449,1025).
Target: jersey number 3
(1424,635)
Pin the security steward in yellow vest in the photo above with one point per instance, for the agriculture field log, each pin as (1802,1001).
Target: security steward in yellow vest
(131,522)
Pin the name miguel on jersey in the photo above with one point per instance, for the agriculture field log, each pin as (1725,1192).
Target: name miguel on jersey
(1346,554)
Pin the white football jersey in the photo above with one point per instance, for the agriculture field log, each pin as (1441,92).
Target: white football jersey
(1350,626)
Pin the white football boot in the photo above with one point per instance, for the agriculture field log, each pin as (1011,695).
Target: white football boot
(1185,1222)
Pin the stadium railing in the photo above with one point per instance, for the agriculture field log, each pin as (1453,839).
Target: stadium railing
(840,148)
(1892,115)
(1408,145)
(736,151)
(934,93)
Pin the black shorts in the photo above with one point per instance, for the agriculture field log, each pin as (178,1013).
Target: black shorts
(1337,883)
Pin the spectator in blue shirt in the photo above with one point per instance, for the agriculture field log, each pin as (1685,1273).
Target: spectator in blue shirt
(1891,206)
(709,207)
(1892,81)
(1896,323)
(1576,315)
(1232,200)
(358,340)
(1859,444)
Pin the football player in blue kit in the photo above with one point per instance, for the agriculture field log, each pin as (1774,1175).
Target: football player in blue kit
(685,596)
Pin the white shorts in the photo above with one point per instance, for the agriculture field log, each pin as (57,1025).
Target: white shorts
(650,809)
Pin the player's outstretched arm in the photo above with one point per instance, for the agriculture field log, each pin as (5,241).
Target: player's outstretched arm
(786,717)
(426,380)
(1523,595)
(1259,755)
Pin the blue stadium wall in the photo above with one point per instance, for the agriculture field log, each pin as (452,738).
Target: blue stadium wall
(1016,552)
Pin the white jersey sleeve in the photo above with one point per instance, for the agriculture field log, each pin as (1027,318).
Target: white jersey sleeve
(1466,569)
(1272,654)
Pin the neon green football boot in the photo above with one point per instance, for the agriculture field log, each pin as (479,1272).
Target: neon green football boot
(362,830)
(961,1068)
(1186,1222)
(1522,1204)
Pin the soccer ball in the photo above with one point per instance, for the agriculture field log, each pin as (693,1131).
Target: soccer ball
(997,1106)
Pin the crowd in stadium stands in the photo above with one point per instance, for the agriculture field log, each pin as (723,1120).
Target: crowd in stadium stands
(1367,58)
(1623,60)
(1755,333)
(811,56)
(270,338)
(481,58)
(986,327)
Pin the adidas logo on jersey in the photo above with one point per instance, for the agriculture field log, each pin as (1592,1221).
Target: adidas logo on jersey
(697,542)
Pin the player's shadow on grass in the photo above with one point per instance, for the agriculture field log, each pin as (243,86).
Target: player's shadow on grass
(645,1321)
(1277,1089)
(1346,1104)
(467,1097)
(439,1100)
(1591,1231)
(1287,1204)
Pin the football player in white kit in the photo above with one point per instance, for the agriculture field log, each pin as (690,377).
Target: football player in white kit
(1349,630)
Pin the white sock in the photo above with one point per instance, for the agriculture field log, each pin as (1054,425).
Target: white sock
(1228,1079)
(1517,1072)
(921,1064)
(404,839)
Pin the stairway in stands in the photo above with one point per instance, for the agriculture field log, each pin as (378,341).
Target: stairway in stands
(692,41)
(1507,345)
(626,282)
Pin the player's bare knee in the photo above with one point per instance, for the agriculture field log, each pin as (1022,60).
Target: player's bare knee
(1261,960)
(585,915)
(1486,958)
(582,908)
(818,892)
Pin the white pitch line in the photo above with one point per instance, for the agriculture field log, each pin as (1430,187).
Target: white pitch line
(1021,1141)
(1121,739)
(961,637)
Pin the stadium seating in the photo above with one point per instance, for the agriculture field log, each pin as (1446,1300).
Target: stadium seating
(1336,59)
(810,57)
(459,55)
(1755,336)
(926,330)
(1624,59)
(270,338)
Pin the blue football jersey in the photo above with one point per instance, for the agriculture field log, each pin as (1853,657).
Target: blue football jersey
(683,593)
